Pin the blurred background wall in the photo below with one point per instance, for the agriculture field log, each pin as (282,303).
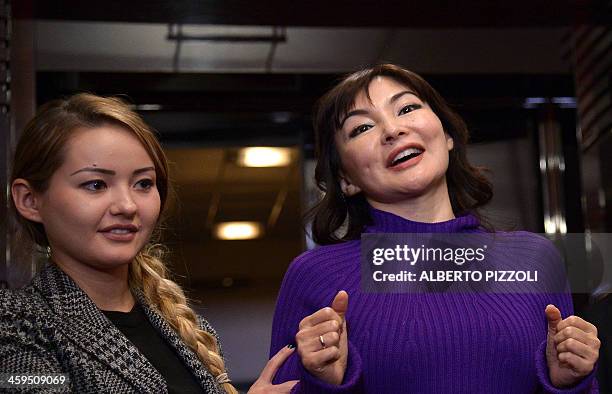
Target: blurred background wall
(533,80)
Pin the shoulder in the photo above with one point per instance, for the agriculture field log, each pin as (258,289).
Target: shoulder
(21,304)
(522,250)
(326,258)
(206,326)
(315,275)
(24,318)
(528,243)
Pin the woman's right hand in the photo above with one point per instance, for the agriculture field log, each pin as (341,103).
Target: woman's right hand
(322,341)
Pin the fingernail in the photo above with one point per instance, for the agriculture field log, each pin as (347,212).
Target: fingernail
(291,346)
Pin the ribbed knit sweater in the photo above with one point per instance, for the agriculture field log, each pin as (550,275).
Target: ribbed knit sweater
(421,343)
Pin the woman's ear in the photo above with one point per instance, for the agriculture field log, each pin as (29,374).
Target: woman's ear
(450,144)
(26,200)
(348,188)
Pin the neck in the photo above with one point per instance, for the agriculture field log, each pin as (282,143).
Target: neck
(430,207)
(108,289)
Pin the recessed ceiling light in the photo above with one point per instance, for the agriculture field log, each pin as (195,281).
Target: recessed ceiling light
(238,230)
(261,156)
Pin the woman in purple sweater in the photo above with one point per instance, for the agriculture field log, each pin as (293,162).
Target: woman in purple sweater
(392,159)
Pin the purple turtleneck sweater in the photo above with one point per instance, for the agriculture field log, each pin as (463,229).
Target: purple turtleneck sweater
(421,343)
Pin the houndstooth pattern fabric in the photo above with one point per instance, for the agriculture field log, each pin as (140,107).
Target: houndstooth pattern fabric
(52,326)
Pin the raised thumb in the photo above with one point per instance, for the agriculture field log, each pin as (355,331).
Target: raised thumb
(340,303)
(553,315)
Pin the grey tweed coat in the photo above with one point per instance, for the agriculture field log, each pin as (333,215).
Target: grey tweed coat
(52,326)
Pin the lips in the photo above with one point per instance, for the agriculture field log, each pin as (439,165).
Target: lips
(404,153)
(120,232)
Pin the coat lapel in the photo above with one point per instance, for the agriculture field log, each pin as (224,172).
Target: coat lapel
(84,324)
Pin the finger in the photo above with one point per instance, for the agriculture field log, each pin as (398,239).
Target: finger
(343,333)
(314,344)
(317,361)
(267,374)
(578,348)
(576,363)
(575,321)
(305,334)
(553,316)
(308,339)
(320,316)
(340,303)
(579,335)
(285,387)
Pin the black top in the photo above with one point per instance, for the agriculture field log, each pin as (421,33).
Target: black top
(137,328)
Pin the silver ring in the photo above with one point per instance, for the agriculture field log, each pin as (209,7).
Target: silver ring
(322,341)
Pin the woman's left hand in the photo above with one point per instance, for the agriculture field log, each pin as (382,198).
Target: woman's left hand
(263,385)
(572,348)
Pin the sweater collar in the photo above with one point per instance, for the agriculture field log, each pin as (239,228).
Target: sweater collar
(386,222)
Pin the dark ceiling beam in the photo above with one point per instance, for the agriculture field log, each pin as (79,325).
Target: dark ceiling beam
(346,13)
(266,92)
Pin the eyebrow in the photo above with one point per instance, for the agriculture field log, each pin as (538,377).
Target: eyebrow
(396,96)
(392,100)
(110,172)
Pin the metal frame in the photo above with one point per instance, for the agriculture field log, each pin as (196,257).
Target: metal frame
(5,134)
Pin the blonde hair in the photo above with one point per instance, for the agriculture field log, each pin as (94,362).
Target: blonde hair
(39,154)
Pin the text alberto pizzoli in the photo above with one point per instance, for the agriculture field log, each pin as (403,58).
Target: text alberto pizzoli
(406,254)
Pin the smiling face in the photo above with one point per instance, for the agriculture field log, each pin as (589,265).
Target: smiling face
(102,203)
(392,146)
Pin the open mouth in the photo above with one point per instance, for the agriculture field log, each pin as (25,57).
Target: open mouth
(405,155)
(120,231)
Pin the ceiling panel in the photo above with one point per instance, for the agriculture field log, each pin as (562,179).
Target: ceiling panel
(144,47)
(195,166)
(204,176)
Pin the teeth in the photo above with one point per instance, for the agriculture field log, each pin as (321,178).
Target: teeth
(119,231)
(407,152)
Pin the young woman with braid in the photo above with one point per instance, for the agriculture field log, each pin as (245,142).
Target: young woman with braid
(90,185)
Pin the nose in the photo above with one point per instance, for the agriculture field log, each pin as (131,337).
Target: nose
(123,203)
(392,130)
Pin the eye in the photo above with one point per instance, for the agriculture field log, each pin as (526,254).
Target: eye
(408,108)
(145,184)
(94,185)
(360,129)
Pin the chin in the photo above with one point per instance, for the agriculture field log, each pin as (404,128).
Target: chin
(115,260)
(412,189)
(417,187)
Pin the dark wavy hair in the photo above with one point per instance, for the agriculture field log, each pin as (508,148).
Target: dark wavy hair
(468,188)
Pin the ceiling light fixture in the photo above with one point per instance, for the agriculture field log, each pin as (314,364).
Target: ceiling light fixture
(264,157)
(238,230)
